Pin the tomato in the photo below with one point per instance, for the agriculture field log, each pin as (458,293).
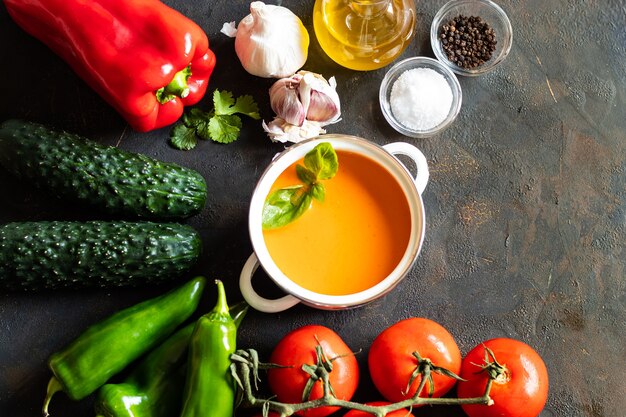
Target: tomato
(521,391)
(391,361)
(298,348)
(398,413)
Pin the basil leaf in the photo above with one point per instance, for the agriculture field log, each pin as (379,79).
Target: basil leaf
(306,175)
(322,161)
(285,205)
(318,191)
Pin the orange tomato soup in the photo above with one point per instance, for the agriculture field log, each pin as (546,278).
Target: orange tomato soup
(353,239)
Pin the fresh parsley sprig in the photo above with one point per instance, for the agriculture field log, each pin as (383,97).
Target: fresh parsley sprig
(221,124)
(287,204)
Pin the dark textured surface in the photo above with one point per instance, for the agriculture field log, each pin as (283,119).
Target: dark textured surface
(525,205)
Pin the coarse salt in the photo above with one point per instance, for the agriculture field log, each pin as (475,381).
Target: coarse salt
(420,99)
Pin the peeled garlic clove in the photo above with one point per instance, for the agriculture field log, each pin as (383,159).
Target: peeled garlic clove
(271,41)
(285,101)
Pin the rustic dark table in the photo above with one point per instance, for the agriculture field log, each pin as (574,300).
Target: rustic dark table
(525,206)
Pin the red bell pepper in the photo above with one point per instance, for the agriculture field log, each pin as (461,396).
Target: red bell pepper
(144,58)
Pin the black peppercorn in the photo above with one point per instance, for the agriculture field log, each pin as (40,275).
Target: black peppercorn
(476,38)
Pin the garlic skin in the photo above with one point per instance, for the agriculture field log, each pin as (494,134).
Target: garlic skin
(279,130)
(271,42)
(304,103)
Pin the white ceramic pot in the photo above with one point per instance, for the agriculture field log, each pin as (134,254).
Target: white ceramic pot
(384,156)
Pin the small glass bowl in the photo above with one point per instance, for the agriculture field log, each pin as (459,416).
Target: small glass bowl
(490,13)
(408,64)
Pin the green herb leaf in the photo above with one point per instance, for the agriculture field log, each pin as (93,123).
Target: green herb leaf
(220,125)
(224,128)
(322,160)
(198,120)
(225,104)
(246,105)
(183,137)
(285,205)
(318,191)
(222,102)
(306,175)
(196,117)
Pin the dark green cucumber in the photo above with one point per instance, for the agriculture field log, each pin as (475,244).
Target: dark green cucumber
(106,177)
(38,255)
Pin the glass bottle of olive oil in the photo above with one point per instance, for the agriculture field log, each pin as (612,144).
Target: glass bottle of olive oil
(364,34)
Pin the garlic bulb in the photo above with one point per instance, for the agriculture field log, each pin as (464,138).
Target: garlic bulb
(303,103)
(271,42)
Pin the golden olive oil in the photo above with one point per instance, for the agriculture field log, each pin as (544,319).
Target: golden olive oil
(364,34)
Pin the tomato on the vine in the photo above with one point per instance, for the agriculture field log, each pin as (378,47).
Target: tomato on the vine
(398,413)
(392,362)
(520,388)
(298,348)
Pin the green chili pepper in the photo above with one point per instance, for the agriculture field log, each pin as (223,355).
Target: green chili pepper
(210,389)
(155,386)
(109,346)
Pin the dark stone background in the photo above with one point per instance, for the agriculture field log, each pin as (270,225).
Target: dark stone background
(525,205)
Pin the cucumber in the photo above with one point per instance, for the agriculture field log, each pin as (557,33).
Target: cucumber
(59,254)
(106,177)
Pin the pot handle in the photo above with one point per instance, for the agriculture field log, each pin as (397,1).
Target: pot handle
(255,300)
(403,148)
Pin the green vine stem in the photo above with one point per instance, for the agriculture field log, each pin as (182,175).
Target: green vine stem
(245,370)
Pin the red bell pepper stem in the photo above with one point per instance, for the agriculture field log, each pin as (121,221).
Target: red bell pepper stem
(178,87)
